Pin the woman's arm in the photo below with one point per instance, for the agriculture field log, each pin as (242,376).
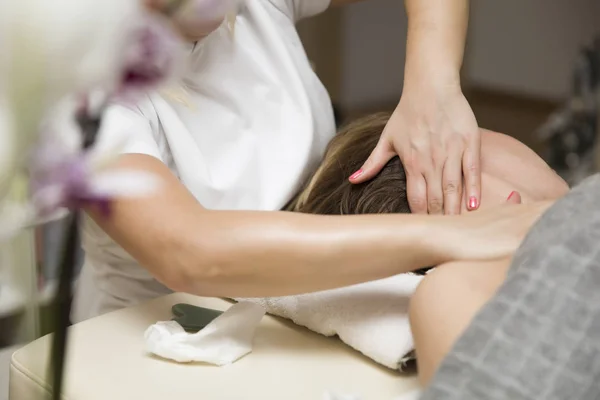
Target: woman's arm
(247,254)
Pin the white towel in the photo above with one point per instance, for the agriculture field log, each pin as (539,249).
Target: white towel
(223,341)
(371,317)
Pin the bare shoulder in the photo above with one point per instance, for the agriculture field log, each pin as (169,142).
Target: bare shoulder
(509,158)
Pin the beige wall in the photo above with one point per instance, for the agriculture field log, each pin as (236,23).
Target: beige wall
(529,46)
(374,43)
(322,38)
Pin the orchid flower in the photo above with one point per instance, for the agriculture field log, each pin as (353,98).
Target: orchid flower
(63,179)
(51,49)
(113,52)
(154,58)
(54,48)
(66,174)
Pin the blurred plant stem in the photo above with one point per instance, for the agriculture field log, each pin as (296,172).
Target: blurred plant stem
(62,304)
(20,257)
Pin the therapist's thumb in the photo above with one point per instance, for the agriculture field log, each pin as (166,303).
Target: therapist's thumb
(514,198)
(381,154)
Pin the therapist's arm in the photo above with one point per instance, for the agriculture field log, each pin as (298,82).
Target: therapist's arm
(247,254)
(433,130)
(437,32)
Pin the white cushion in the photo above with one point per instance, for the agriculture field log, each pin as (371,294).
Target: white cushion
(106,360)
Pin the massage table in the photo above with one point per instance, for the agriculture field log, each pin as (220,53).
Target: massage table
(107,360)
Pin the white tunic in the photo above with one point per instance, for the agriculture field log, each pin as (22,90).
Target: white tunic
(258,121)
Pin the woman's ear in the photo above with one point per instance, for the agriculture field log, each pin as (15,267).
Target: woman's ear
(514,198)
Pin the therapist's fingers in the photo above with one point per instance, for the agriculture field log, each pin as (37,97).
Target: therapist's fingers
(472,172)
(435,194)
(452,183)
(381,154)
(416,192)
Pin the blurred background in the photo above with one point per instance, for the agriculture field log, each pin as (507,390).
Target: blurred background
(520,63)
(532,70)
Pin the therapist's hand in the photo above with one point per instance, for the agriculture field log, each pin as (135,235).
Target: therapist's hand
(434,132)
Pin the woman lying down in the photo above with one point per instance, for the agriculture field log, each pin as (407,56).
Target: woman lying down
(448,296)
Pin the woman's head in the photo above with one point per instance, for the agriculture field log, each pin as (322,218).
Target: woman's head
(329,191)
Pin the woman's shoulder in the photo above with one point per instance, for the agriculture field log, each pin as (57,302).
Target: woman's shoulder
(507,157)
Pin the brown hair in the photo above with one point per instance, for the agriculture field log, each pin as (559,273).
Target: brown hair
(328,191)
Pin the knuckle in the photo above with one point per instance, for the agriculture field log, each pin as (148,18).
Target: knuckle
(473,168)
(465,135)
(413,164)
(451,188)
(439,158)
(417,202)
(421,145)
(435,204)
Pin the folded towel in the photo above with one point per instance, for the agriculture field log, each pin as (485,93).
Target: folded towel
(371,317)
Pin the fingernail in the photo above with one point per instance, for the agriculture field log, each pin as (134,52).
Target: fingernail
(511,194)
(472,203)
(356,174)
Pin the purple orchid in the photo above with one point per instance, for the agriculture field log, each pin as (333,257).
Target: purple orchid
(153,57)
(66,177)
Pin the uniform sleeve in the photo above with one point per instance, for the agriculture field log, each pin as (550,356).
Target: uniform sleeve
(300,9)
(132,130)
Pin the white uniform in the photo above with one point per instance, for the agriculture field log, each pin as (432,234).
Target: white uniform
(258,121)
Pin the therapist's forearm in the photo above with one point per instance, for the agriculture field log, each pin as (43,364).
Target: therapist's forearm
(247,254)
(437,32)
